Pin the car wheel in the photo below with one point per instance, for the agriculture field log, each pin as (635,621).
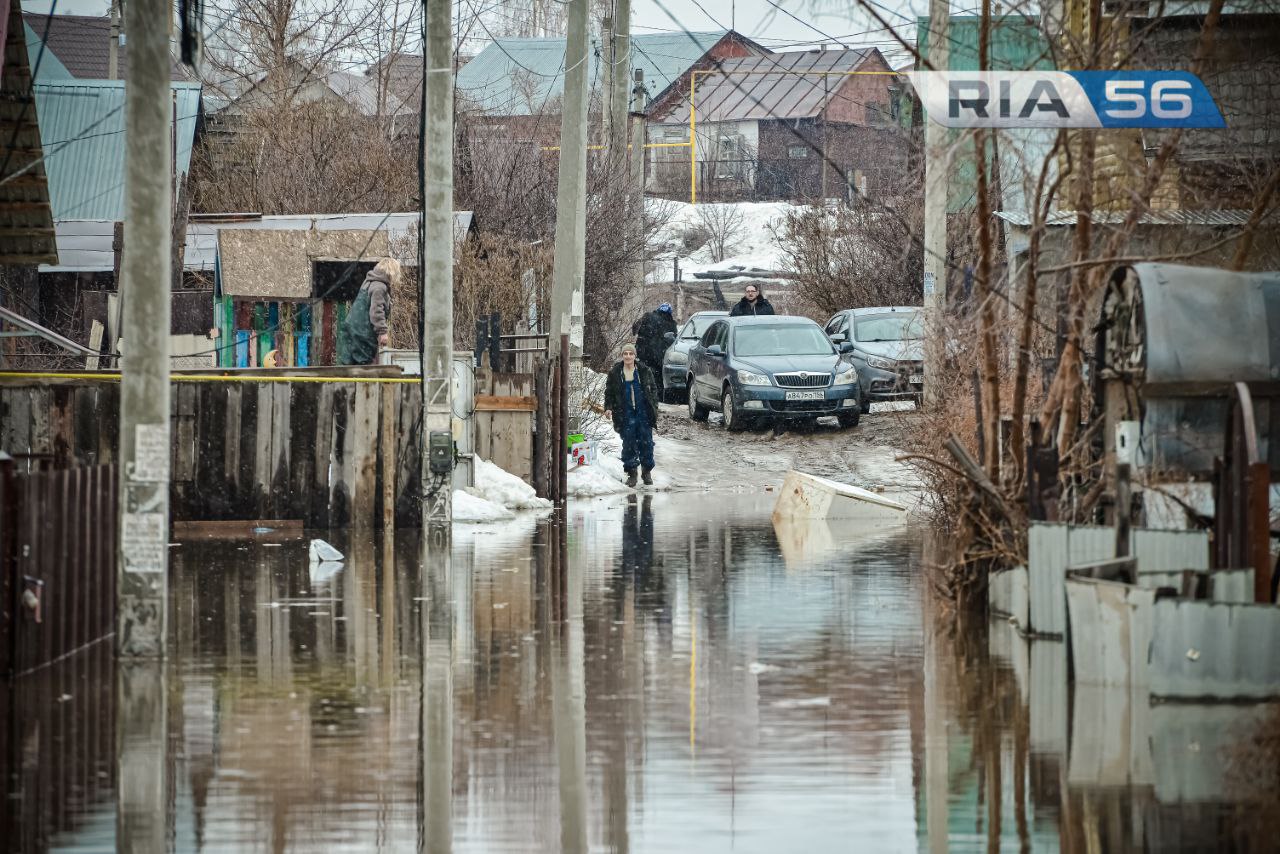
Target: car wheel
(849,419)
(733,419)
(697,411)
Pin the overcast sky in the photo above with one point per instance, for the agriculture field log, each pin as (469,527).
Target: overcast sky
(835,21)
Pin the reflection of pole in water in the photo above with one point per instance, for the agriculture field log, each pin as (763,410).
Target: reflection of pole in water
(435,741)
(935,715)
(568,697)
(142,801)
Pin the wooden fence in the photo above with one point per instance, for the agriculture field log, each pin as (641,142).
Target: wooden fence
(57,562)
(332,454)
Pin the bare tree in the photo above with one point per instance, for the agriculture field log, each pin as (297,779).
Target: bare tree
(724,226)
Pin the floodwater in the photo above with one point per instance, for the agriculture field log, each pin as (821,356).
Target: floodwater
(661,674)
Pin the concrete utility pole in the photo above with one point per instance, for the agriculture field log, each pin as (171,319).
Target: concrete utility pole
(143,558)
(937,165)
(620,73)
(636,201)
(113,46)
(570,259)
(436,300)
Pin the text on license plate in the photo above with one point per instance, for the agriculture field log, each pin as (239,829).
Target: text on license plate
(916,379)
(805,395)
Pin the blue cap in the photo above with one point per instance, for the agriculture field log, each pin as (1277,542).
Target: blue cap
(666,306)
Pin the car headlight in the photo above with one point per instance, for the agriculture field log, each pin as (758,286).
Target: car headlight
(749,378)
(678,357)
(882,363)
(847,377)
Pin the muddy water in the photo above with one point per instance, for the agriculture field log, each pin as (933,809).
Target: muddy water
(671,674)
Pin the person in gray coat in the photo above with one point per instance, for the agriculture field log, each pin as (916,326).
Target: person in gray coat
(366,326)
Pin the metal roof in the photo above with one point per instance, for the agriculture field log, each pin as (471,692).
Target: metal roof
(85,245)
(82,128)
(26,221)
(789,85)
(1209,218)
(516,77)
(51,68)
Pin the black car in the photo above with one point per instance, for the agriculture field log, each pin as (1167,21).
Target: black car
(770,367)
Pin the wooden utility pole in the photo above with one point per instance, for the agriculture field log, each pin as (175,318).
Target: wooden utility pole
(141,592)
(436,292)
(936,171)
(570,257)
(113,46)
(620,70)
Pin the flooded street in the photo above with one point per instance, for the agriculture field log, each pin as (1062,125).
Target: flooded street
(661,673)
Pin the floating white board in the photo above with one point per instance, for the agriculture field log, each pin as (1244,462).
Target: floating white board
(805,496)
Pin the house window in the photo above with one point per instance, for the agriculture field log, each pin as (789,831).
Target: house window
(728,160)
(797,152)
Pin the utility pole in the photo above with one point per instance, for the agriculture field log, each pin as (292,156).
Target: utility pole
(145,296)
(436,292)
(113,46)
(635,204)
(609,69)
(620,70)
(142,556)
(570,256)
(937,162)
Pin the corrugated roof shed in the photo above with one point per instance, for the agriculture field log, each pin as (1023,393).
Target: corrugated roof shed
(82,127)
(516,77)
(789,85)
(85,245)
(26,221)
(83,44)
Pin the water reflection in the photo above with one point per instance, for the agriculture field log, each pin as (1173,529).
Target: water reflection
(652,673)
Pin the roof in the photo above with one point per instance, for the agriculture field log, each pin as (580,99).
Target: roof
(83,45)
(789,85)
(26,220)
(1206,218)
(358,91)
(50,67)
(517,77)
(82,128)
(85,245)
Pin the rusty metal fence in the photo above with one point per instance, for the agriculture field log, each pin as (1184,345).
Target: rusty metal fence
(57,562)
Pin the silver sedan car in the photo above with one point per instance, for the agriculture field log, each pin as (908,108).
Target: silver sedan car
(675,362)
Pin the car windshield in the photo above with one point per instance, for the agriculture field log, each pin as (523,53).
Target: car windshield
(890,327)
(792,340)
(698,325)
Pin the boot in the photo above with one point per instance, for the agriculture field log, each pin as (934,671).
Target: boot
(631,477)
(648,477)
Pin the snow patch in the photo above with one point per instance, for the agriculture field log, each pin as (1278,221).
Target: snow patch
(498,486)
(755,247)
(472,509)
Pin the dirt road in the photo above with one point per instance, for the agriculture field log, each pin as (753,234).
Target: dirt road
(709,456)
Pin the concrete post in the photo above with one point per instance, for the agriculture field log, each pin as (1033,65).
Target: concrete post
(618,125)
(436,738)
(936,170)
(436,300)
(571,195)
(636,201)
(143,557)
(113,46)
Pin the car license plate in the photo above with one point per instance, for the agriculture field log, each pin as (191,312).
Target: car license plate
(916,379)
(805,395)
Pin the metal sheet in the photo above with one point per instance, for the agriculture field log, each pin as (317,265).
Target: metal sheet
(1214,649)
(1225,585)
(1111,632)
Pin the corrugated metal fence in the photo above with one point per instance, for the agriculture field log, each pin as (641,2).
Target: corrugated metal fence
(57,562)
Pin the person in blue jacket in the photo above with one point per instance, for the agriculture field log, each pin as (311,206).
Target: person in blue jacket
(631,402)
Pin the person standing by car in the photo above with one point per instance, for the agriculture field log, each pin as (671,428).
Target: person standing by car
(631,402)
(752,303)
(365,328)
(651,338)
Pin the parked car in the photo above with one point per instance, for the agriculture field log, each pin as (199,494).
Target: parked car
(675,362)
(887,349)
(770,367)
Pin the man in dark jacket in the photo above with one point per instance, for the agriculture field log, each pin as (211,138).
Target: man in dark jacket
(752,303)
(651,339)
(631,402)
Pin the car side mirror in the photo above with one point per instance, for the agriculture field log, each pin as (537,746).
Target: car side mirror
(715,350)
(838,338)
(670,336)
(846,346)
